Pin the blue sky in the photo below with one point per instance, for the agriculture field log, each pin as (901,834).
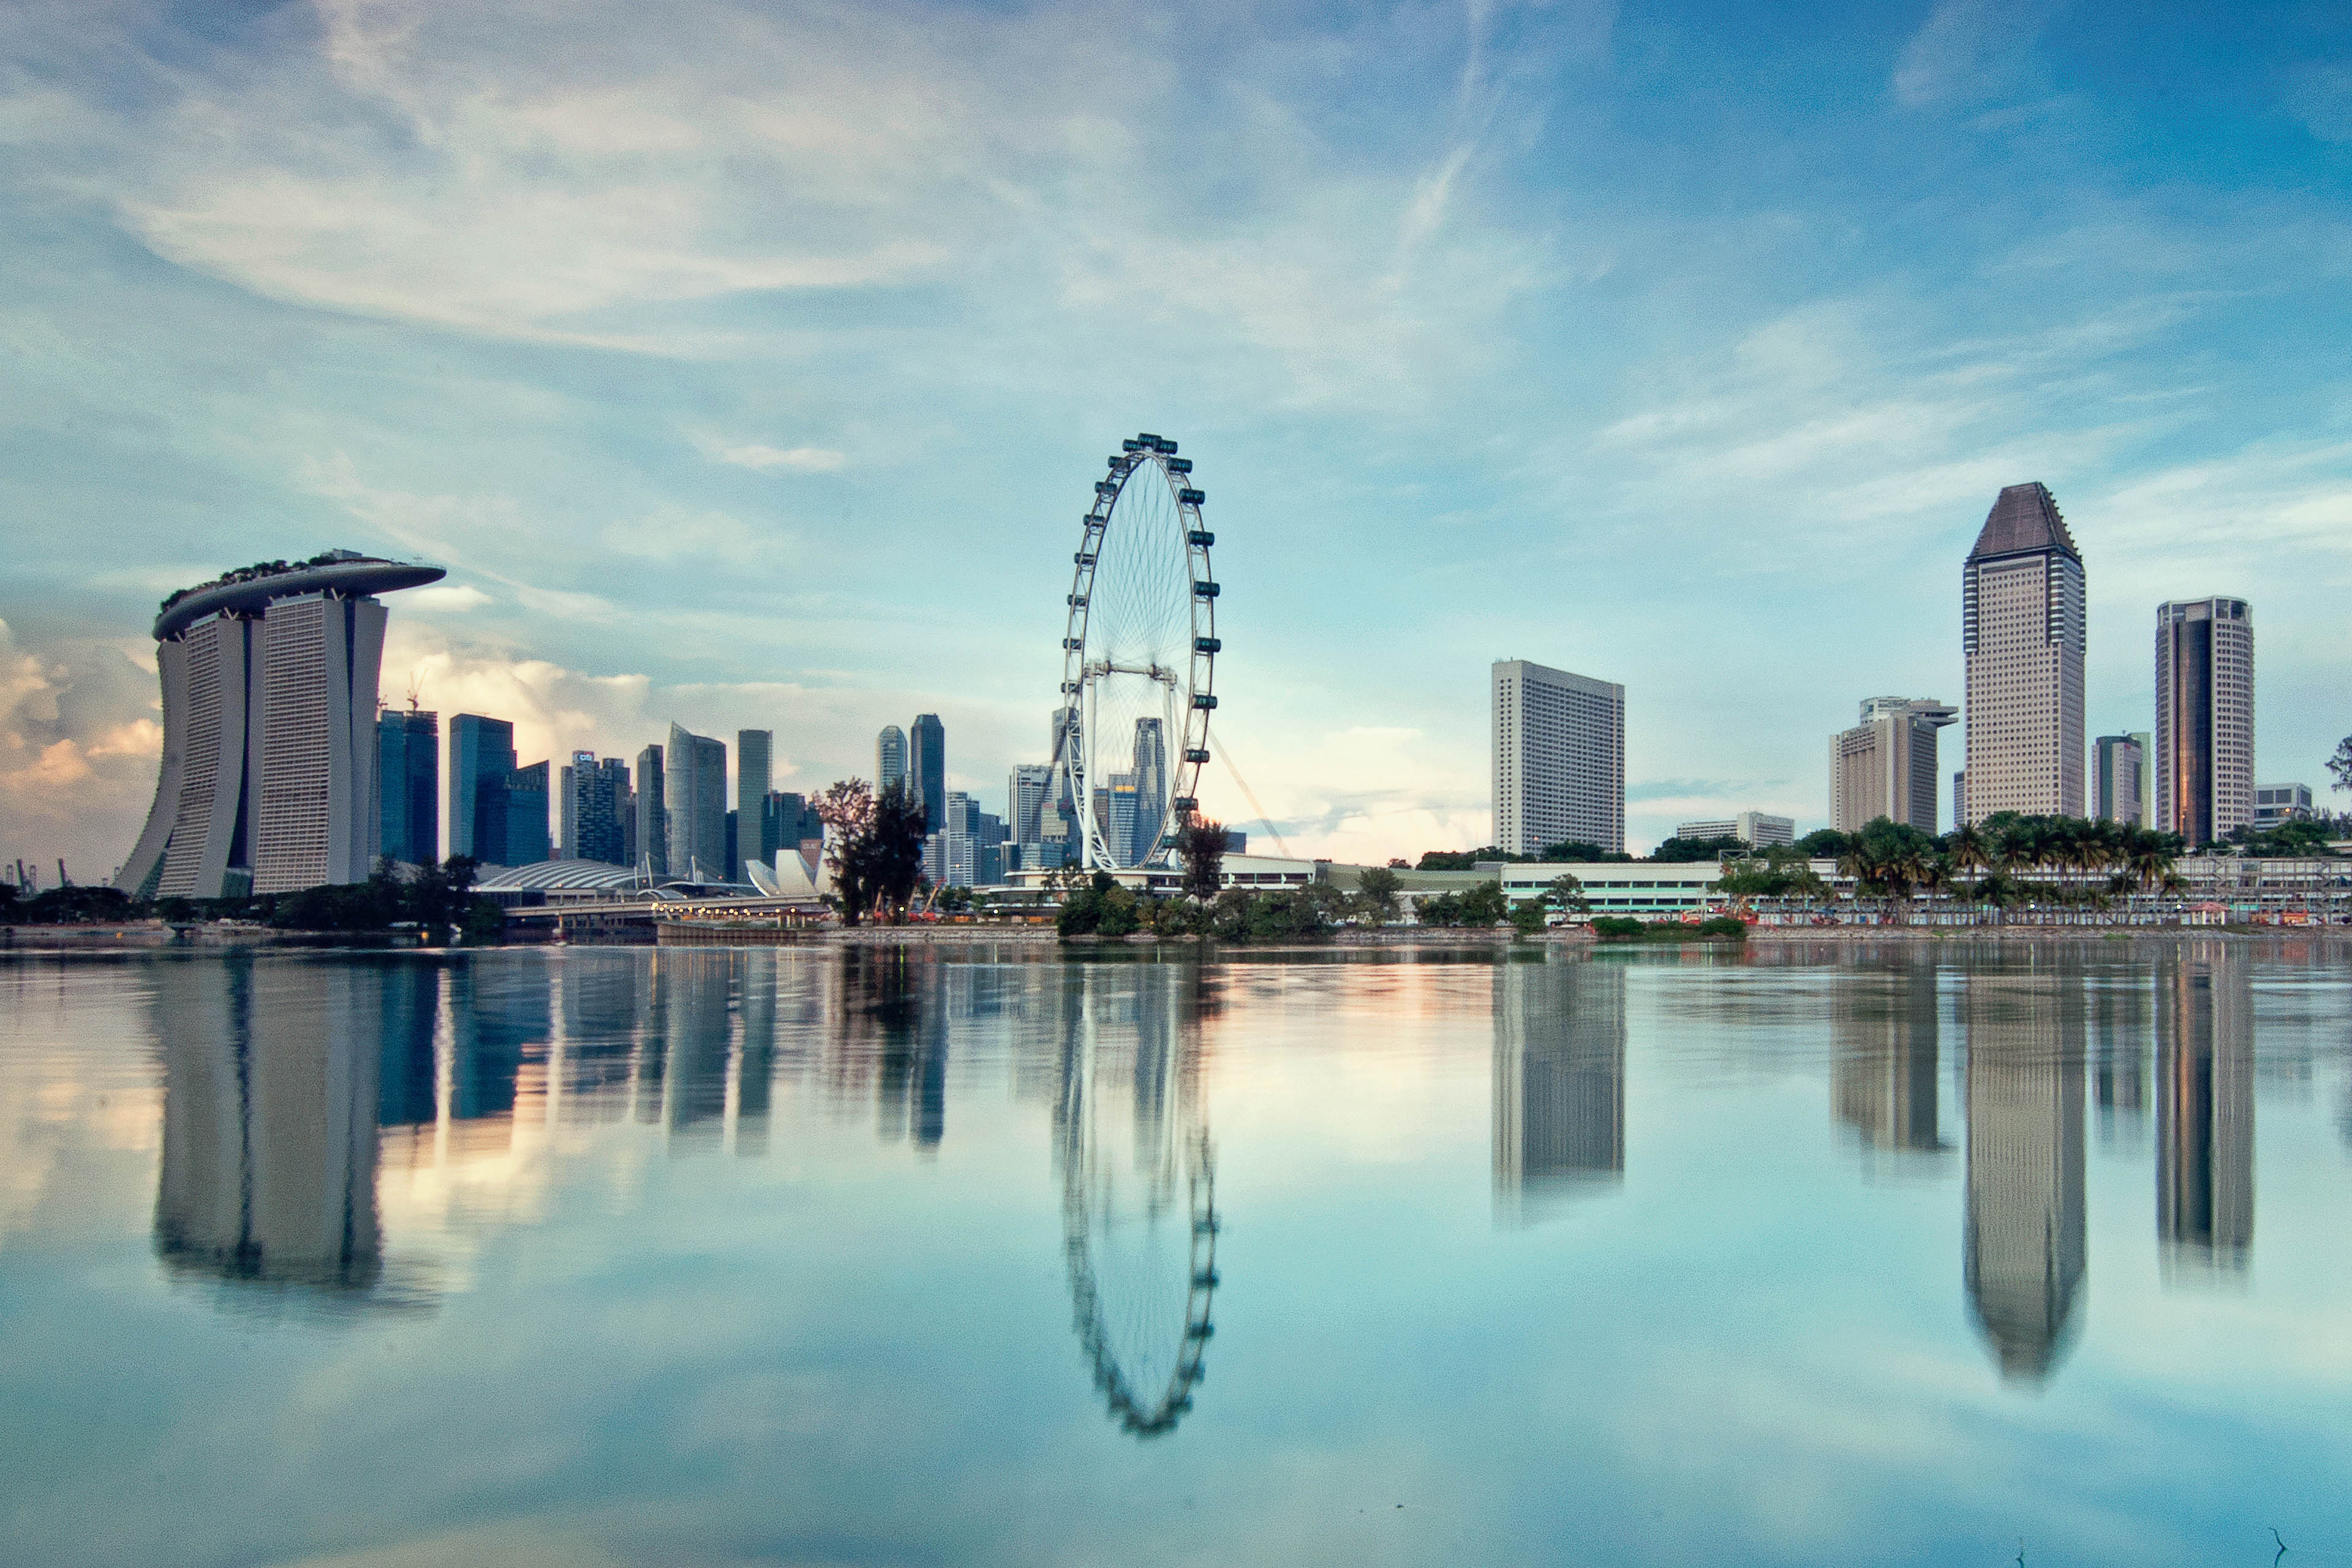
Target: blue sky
(750,365)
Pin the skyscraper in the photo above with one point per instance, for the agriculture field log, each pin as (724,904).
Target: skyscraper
(408,786)
(481,755)
(1025,795)
(697,789)
(526,824)
(2115,764)
(889,759)
(653,812)
(2204,718)
(1885,765)
(268,774)
(1559,759)
(2021,629)
(751,750)
(926,767)
(593,796)
(1151,789)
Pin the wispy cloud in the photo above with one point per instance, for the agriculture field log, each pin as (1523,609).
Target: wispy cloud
(801,459)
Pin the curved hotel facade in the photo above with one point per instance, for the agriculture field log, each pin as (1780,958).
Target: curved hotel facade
(268,782)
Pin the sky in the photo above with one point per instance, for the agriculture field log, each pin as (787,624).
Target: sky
(749,366)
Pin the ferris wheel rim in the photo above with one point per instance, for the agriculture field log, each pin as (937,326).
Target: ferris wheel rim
(1074,764)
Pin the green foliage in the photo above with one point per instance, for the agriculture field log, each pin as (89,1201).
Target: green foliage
(1376,894)
(2299,837)
(1684,850)
(1617,928)
(1723,926)
(1528,918)
(1782,872)
(1822,844)
(1200,850)
(2339,766)
(1574,850)
(1288,915)
(1485,905)
(1101,908)
(1566,894)
(68,906)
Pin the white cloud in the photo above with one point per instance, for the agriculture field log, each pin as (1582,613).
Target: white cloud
(804,459)
(1969,52)
(79,736)
(445,599)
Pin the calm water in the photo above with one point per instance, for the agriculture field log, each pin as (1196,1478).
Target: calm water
(622,1257)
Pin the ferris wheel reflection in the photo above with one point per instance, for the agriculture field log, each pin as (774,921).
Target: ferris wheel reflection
(1139,1186)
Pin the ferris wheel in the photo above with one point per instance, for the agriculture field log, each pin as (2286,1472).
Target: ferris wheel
(1139,660)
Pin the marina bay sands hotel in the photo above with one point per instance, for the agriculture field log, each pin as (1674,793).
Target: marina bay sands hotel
(269,756)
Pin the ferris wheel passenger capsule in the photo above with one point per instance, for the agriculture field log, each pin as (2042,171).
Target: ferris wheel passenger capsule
(1192,497)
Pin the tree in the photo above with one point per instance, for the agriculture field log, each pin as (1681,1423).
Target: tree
(893,851)
(1200,847)
(1485,905)
(846,809)
(1566,894)
(1684,850)
(1822,844)
(2340,765)
(1378,892)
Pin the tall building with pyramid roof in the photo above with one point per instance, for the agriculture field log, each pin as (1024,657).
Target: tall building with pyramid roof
(2021,630)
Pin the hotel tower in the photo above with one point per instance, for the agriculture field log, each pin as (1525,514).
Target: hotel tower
(2022,631)
(2204,718)
(268,782)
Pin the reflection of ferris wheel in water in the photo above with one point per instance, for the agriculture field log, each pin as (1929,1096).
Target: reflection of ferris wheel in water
(1139,660)
(1138,1204)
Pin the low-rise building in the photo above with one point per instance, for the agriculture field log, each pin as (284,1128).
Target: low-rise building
(2277,803)
(1757,828)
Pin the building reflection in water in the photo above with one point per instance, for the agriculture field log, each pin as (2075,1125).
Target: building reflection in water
(270,1097)
(1884,1067)
(2024,1243)
(2205,1114)
(1559,1084)
(1138,1182)
(2120,1024)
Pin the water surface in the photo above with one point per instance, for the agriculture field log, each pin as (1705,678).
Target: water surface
(801,1257)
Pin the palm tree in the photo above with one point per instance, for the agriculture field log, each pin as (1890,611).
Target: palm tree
(1968,848)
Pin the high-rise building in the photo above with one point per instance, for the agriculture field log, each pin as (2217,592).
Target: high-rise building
(1559,759)
(1025,795)
(481,756)
(653,814)
(751,751)
(2277,803)
(268,774)
(890,759)
(2021,629)
(1151,789)
(1885,765)
(526,824)
(695,783)
(594,794)
(1755,827)
(2115,764)
(2204,718)
(408,787)
(2146,740)
(926,767)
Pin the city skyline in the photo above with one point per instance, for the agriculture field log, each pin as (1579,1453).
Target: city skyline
(2037,276)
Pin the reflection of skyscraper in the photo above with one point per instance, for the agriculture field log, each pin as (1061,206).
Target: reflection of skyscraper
(694,1103)
(1884,1069)
(2205,1114)
(1560,1083)
(269,1124)
(2118,1045)
(2024,1256)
